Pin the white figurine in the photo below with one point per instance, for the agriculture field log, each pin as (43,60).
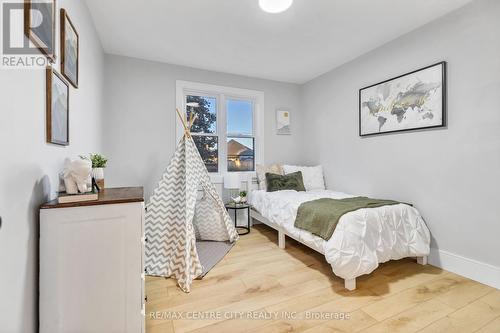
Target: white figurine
(77,175)
(236,200)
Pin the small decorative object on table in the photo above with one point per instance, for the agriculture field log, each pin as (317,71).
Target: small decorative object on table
(236,207)
(98,164)
(76,176)
(243,196)
(77,182)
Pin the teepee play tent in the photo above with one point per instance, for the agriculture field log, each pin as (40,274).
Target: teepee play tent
(176,215)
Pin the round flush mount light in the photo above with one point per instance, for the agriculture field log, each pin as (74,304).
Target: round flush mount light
(275,6)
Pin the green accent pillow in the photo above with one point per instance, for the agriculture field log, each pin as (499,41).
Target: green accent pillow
(291,181)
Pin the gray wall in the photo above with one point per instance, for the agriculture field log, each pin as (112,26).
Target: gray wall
(29,167)
(139,122)
(451,175)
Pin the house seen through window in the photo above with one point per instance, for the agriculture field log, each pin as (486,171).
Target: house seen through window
(223,121)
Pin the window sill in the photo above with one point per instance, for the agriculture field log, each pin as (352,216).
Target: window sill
(245,176)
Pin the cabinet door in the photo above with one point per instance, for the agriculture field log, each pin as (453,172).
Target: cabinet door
(90,269)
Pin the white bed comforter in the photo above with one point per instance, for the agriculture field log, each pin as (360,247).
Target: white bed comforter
(362,239)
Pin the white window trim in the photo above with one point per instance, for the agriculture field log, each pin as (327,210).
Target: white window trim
(223,92)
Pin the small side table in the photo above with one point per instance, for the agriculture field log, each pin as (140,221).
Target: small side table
(237,207)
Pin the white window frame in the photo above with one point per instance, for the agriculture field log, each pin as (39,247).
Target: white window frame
(223,93)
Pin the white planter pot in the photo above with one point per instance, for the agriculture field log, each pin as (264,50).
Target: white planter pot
(98,173)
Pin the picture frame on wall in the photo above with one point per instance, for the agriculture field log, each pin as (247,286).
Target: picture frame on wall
(57,108)
(70,44)
(415,100)
(283,122)
(40,26)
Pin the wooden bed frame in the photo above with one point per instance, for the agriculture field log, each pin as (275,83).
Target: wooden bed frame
(350,284)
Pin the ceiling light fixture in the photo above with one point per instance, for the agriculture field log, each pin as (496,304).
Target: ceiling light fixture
(275,6)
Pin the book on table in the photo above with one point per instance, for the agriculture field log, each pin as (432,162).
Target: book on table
(78,197)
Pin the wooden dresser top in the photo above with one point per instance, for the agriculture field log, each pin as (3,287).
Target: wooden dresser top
(107,197)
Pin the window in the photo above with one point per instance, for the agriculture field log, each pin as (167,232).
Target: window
(240,140)
(204,129)
(228,128)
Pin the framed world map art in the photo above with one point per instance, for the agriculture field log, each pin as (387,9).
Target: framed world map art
(411,101)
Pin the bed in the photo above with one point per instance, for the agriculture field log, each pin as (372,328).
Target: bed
(362,239)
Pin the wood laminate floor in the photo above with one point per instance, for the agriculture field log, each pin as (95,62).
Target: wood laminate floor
(261,288)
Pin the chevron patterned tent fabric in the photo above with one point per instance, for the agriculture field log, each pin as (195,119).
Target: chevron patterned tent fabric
(174,212)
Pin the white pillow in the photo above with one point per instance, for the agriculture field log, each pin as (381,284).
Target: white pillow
(261,174)
(312,176)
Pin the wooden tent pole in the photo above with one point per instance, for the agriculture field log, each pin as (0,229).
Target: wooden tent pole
(191,122)
(181,118)
(183,121)
(187,127)
(190,119)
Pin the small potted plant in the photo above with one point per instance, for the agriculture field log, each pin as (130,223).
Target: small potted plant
(98,164)
(243,196)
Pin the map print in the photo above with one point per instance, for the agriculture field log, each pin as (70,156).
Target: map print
(408,102)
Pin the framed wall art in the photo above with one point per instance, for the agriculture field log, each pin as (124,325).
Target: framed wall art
(415,100)
(57,108)
(283,122)
(40,25)
(69,49)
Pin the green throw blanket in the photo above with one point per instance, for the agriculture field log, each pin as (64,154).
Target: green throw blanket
(320,217)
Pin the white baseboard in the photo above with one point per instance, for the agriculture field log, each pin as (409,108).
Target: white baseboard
(469,268)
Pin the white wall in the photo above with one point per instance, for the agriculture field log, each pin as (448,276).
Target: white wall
(29,166)
(139,123)
(452,175)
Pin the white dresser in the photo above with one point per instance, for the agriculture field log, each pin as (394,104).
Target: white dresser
(91,264)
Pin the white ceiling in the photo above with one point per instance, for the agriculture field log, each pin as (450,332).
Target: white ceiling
(235,36)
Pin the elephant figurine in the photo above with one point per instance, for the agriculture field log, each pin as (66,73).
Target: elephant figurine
(77,176)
